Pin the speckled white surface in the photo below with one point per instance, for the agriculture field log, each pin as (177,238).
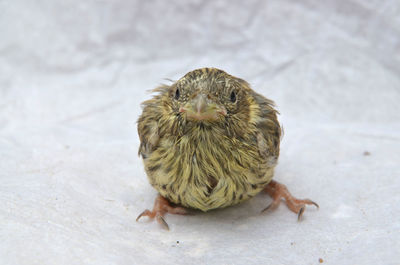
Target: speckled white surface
(73,74)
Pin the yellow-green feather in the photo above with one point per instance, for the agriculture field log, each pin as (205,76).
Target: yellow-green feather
(209,166)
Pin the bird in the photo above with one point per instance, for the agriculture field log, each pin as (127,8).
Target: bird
(209,141)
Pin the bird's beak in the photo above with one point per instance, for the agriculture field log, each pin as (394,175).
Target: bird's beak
(201,108)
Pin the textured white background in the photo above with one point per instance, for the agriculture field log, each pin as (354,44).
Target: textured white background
(73,74)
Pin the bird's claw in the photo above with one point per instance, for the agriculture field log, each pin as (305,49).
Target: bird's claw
(278,191)
(314,203)
(301,211)
(161,207)
(159,217)
(303,207)
(146,212)
(162,222)
(266,208)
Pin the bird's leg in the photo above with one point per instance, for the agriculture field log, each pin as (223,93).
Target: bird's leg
(278,191)
(161,207)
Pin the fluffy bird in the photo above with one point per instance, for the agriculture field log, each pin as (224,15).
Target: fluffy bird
(209,141)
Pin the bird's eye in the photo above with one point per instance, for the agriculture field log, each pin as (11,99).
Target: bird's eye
(233,97)
(177,94)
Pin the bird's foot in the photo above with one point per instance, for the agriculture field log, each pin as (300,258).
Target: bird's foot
(278,191)
(161,207)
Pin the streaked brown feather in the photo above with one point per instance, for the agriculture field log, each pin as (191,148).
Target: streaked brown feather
(215,164)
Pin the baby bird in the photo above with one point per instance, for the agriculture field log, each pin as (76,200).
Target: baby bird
(209,141)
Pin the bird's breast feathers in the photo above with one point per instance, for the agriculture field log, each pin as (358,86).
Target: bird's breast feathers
(206,169)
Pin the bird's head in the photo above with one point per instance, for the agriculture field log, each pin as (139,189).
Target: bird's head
(207,96)
(205,103)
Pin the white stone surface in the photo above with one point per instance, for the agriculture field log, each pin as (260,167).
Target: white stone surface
(73,74)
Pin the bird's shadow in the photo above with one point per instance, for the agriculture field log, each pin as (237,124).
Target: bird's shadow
(236,214)
(241,215)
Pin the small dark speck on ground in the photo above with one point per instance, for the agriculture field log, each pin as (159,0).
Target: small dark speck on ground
(174,245)
(320,260)
(366,153)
